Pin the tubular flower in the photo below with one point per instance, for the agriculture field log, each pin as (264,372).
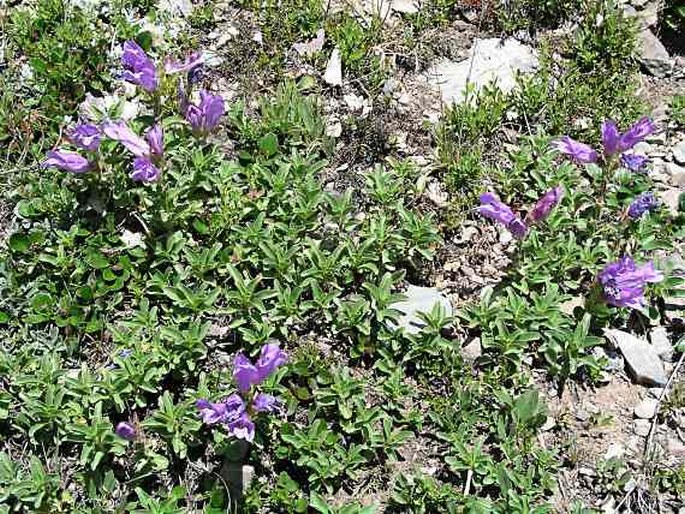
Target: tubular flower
(578,151)
(636,133)
(611,138)
(634,162)
(155,138)
(204,118)
(247,374)
(86,136)
(545,204)
(144,170)
(642,204)
(491,207)
(624,283)
(138,67)
(121,132)
(191,62)
(236,411)
(126,431)
(67,161)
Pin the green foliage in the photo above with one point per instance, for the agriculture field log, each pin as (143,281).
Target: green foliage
(533,15)
(678,110)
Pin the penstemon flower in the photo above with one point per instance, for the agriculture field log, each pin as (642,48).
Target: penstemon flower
(236,410)
(642,204)
(191,62)
(144,170)
(612,141)
(545,204)
(491,207)
(204,118)
(67,160)
(86,137)
(578,151)
(121,132)
(126,431)
(634,162)
(623,283)
(139,69)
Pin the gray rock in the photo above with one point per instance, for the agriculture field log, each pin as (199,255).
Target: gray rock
(643,148)
(655,392)
(679,153)
(472,351)
(676,174)
(641,427)
(333,73)
(405,6)
(671,199)
(419,299)
(646,409)
(653,55)
(642,360)
(638,3)
(468,233)
(489,60)
(662,343)
(182,8)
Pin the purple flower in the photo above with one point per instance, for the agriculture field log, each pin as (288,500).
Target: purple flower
(247,374)
(191,62)
(243,427)
(226,411)
(155,138)
(265,403)
(126,430)
(271,358)
(579,151)
(139,68)
(86,136)
(642,204)
(119,131)
(610,137)
(624,283)
(144,170)
(634,162)
(545,204)
(205,116)
(640,130)
(491,207)
(67,161)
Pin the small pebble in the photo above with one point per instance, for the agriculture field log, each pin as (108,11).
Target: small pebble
(641,427)
(646,408)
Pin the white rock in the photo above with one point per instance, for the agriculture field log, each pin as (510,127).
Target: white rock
(419,299)
(333,74)
(132,239)
(641,427)
(405,6)
(436,194)
(653,55)
(641,358)
(642,148)
(176,7)
(489,60)
(671,199)
(334,128)
(676,174)
(646,409)
(662,343)
(472,351)
(615,451)
(312,46)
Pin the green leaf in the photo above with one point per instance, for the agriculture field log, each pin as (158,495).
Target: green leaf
(19,243)
(268,144)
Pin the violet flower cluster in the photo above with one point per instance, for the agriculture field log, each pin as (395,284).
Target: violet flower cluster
(624,283)
(613,142)
(237,410)
(126,431)
(139,69)
(491,207)
(643,204)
